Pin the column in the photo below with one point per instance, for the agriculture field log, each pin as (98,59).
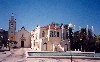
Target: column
(40,45)
(49,33)
(53,47)
(62,31)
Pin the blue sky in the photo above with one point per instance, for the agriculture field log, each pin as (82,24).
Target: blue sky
(30,13)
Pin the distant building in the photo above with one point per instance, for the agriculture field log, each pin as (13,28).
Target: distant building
(22,37)
(50,38)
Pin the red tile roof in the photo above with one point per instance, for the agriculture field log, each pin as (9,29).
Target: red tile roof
(52,26)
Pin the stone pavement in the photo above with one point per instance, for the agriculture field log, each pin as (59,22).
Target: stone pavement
(4,55)
(18,55)
(59,60)
(15,55)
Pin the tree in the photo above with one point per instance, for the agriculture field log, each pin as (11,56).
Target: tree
(76,41)
(84,41)
(98,38)
(97,44)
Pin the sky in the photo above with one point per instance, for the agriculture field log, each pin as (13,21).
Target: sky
(30,13)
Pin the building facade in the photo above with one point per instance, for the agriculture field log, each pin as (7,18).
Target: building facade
(50,38)
(22,37)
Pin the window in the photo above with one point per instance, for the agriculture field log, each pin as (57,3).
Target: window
(57,34)
(33,36)
(43,34)
(11,31)
(36,36)
(66,35)
(11,25)
(54,33)
(51,33)
(34,42)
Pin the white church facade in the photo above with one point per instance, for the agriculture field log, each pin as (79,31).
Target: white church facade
(22,37)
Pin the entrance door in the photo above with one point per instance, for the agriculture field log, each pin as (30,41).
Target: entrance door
(66,47)
(22,43)
(45,46)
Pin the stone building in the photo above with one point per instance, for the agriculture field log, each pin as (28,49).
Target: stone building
(22,37)
(49,38)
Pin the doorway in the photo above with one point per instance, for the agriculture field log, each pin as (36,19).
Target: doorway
(66,47)
(45,46)
(22,43)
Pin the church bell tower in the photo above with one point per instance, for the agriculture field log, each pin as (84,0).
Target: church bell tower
(12,28)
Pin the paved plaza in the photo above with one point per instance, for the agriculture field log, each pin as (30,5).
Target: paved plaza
(18,55)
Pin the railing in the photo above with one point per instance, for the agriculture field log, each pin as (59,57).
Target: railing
(33,54)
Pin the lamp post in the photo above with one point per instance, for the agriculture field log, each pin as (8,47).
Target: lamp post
(2,42)
(70,27)
(8,45)
(70,52)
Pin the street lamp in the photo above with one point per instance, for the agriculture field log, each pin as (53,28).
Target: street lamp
(70,51)
(8,45)
(70,26)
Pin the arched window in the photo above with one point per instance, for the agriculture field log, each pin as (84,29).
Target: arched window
(36,36)
(51,33)
(57,34)
(43,34)
(34,42)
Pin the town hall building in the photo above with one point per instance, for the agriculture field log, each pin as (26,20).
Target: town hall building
(49,38)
